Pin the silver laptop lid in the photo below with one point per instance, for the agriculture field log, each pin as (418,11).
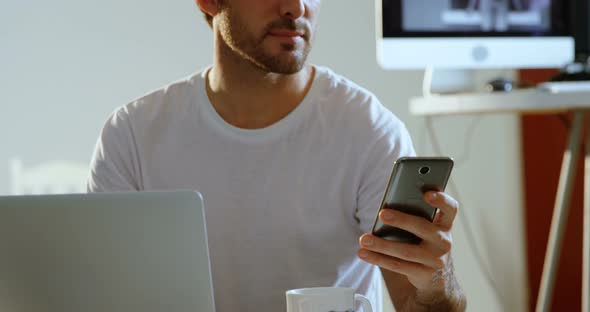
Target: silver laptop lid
(122,252)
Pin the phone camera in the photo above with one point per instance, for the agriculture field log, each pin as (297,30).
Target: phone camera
(424,170)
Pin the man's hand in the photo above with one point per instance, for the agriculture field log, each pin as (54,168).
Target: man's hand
(428,265)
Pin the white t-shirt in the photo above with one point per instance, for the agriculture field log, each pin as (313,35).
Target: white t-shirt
(284,205)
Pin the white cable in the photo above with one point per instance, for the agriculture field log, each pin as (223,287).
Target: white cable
(464,220)
(466,153)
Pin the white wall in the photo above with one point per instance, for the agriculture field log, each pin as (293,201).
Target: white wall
(66,64)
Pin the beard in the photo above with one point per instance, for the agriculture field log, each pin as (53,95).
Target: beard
(291,57)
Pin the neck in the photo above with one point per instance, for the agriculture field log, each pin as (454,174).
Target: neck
(248,97)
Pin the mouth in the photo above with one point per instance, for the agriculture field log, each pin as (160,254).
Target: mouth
(285,33)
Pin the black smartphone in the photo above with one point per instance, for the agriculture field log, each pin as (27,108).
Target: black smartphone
(410,179)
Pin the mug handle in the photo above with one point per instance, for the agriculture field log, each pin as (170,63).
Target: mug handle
(365,303)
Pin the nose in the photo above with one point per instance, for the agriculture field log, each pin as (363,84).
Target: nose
(292,9)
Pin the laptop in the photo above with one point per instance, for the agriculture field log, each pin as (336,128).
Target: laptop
(117,252)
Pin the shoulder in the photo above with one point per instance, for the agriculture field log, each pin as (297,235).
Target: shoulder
(166,104)
(337,87)
(355,107)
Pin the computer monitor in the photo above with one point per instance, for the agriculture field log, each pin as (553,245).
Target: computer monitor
(579,27)
(472,34)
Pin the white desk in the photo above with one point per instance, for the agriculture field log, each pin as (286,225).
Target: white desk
(534,101)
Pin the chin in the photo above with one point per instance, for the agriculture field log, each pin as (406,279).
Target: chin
(286,63)
(284,68)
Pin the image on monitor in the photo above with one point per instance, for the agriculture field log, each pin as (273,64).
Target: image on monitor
(439,18)
(482,15)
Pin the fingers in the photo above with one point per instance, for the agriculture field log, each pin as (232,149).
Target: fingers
(419,226)
(423,263)
(413,271)
(409,252)
(448,208)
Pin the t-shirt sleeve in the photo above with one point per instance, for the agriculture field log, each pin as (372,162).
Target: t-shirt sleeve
(393,144)
(115,166)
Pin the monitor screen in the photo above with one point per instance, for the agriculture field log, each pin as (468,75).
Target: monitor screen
(474,33)
(579,25)
(428,18)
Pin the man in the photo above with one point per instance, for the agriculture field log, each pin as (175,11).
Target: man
(292,161)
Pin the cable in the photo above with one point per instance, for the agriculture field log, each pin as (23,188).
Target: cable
(426,90)
(466,153)
(470,237)
(565,121)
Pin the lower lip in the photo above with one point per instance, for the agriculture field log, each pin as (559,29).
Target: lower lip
(287,39)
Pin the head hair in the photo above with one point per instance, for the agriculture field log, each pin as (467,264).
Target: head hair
(208,18)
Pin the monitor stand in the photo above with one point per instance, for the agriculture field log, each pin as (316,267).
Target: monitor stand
(453,81)
(448,81)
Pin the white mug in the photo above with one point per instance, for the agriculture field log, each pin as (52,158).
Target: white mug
(325,299)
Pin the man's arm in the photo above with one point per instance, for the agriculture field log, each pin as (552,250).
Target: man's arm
(405,297)
(418,277)
(115,166)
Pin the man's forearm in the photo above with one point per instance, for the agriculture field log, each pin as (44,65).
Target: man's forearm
(419,277)
(452,299)
(406,297)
